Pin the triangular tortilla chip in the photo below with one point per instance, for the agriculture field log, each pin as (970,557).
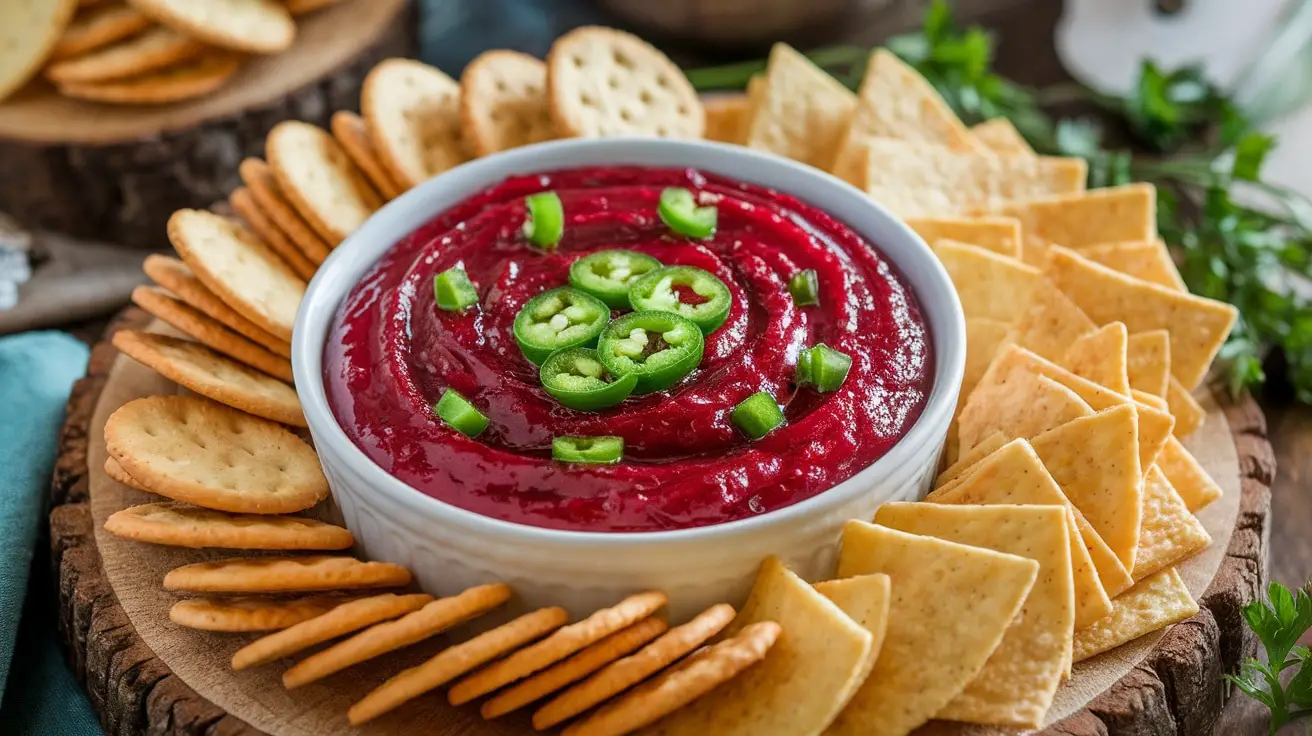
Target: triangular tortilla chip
(1155,603)
(1001,137)
(1169,532)
(998,234)
(990,286)
(981,450)
(806,679)
(726,116)
(865,599)
(1145,399)
(931,650)
(1016,686)
(1015,474)
(1095,460)
(896,102)
(983,336)
(1148,260)
(1198,326)
(1100,356)
(1189,414)
(801,112)
(1149,361)
(1017,403)
(916,180)
(1109,215)
(1050,323)
(1188,478)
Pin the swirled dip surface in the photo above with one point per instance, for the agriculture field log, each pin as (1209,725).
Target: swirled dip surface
(391,352)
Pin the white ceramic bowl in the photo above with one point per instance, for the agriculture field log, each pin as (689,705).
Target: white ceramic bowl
(450,548)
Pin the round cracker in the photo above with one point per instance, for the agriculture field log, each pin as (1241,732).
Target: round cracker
(603,82)
(350,131)
(243,203)
(245,274)
(503,102)
(413,114)
(623,674)
(320,181)
(173,275)
(340,621)
(575,668)
(195,450)
(258,177)
(285,575)
(558,646)
(157,48)
(116,471)
(29,30)
(210,332)
(301,7)
(184,81)
(177,525)
(99,27)
(700,673)
(455,661)
(213,376)
(254,26)
(428,621)
(248,614)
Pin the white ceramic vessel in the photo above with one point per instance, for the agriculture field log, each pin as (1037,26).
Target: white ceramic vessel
(450,548)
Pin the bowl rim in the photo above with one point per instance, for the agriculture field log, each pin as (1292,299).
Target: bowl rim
(329,287)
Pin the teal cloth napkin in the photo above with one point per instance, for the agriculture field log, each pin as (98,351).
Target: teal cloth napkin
(40,696)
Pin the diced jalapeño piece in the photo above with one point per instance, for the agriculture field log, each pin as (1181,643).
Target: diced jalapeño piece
(453,290)
(823,367)
(757,415)
(805,288)
(545,224)
(459,414)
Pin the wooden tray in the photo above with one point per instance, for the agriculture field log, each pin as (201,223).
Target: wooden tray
(115,173)
(1176,689)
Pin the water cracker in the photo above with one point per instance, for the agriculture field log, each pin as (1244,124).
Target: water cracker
(318,178)
(178,525)
(210,332)
(29,30)
(243,203)
(285,575)
(348,617)
(353,136)
(503,102)
(252,26)
(116,471)
(173,275)
(249,613)
(413,114)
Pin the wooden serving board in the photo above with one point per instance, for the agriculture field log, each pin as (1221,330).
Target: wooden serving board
(114,173)
(1173,686)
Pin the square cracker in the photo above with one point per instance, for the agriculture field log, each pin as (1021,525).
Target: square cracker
(1198,326)
(931,651)
(1189,414)
(1169,532)
(896,102)
(814,668)
(1017,684)
(1148,260)
(1188,478)
(801,111)
(967,462)
(1148,361)
(1050,323)
(1018,402)
(983,336)
(998,234)
(1152,604)
(1100,356)
(920,180)
(1001,137)
(989,285)
(1109,215)
(1014,474)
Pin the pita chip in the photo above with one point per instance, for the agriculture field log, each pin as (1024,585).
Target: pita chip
(1148,361)
(799,112)
(990,286)
(1100,356)
(998,234)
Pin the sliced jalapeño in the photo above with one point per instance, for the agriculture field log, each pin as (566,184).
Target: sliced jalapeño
(658,347)
(577,379)
(607,274)
(603,450)
(545,223)
(459,414)
(453,291)
(686,291)
(678,209)
(822,367)
(558,319)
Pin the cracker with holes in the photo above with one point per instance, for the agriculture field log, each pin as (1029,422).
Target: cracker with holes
(29,30)
(503,102)
(269,197)
(99,27)
(212,375)
(116,471)
(210,332)
(319,179)
(412,112)
(179,525)
(285,575)
(200,452)
(249,613)
(157,48)
(173,275)
(429,621)
(603,82)
(263,227)
(353,136)
(341,620)
(189,79)
(252,26)
(229,260)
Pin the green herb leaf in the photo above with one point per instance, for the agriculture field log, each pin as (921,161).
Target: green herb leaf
(1250,150)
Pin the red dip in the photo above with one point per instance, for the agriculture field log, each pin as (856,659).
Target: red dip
(391,353)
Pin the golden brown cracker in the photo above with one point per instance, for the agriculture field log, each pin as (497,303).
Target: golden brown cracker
(341,620)
(1154,603)
(983,337)
(200,452)
(188,79)
(29,30)
(431,620)
(1189,414)
(1000,136)
(302,7)
(455,661)
(99,27)
(251,26)
(178,525)
(998,234)
(249,613)
(1149,362)
(1148,260)
(413,114)
(556,647)
(263,227)
(318,178)
(605,82)
(173,275)
(157,48)
(799,111)
(116,471)
(1169,532)
(353,136)
(503,102)
(1187,476)
(285,575)
(1051,322)
(1102,357)
(726,117)
(990,286)
(259,179)
(1108,215)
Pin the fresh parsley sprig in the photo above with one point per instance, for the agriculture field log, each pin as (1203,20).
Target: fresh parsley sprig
(1279,622)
